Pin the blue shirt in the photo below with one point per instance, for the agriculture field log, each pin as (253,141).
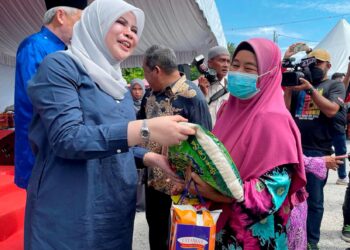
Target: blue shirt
(82,192)
(30,53)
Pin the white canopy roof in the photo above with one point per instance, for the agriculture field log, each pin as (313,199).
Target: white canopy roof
(337,43)
(189,27)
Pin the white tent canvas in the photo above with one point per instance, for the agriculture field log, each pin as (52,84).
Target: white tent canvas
(190,27)
(337,43)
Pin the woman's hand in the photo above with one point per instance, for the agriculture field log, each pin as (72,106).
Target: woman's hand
(156,160)
(333,162)
(207,191)
(177,188)
(167,130)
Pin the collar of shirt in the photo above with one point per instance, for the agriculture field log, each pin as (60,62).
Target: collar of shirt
(50,35)
(168,90)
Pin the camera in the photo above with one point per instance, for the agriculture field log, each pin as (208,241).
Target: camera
(297,71)
(209,74)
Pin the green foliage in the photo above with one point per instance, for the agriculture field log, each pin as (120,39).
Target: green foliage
(231,47)
(194,73)
(131,73)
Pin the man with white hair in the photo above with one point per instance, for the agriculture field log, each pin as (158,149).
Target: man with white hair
(216,93)
(54,35)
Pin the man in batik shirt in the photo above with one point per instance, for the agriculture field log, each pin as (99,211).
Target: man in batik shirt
(171,94)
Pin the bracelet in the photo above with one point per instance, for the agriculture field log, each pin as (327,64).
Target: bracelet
(310,91)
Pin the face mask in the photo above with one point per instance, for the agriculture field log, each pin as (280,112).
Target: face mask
(242,85)
(317,74)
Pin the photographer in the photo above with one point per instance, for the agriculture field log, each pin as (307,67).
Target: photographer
(313,105)
(219,60)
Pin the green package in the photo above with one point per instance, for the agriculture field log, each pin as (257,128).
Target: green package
(208,158)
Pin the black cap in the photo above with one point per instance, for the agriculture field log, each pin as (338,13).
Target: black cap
(79,4)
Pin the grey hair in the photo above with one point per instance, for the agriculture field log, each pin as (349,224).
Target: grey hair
(50,14)
(162,57)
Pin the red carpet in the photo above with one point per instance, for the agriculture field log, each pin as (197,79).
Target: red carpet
(12,204)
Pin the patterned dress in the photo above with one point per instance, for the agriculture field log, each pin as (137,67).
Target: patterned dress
(297,238)
(260,221)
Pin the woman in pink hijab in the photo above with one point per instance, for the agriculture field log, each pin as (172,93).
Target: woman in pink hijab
(264,142)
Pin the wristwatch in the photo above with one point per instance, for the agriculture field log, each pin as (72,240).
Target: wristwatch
(310,91)
(144,132)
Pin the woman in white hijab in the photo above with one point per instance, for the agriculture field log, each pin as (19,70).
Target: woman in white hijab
(82,192)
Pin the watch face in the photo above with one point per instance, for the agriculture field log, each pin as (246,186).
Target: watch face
(144,133)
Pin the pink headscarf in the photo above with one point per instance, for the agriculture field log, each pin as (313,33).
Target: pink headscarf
(259,133)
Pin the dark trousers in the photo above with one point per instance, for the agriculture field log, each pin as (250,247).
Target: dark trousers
(140,194)
(141,182)
(339,144)
(346,205)
(158,217)
(315,200)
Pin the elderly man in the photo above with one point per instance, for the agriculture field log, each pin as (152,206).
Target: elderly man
(171,94)
(53,36)
(215,93)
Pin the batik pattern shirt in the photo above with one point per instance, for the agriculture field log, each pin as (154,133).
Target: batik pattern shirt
(260,221)
(180,98)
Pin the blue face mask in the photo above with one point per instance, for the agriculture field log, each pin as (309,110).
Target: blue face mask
(242,85)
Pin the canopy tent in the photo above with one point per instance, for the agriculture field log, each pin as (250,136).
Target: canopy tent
(337,43)
(189,27)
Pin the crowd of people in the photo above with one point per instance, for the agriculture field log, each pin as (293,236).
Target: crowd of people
(80,132)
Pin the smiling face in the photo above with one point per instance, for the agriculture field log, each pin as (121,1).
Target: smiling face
(121,39)
(245,62)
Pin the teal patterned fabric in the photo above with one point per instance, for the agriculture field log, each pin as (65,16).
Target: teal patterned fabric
(278,187)
(281,241)
(260,221)
(264,229)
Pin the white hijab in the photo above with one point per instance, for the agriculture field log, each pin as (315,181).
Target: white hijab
(88,43)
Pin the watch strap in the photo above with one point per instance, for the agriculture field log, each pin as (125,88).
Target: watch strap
(144,131)
(310,91)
